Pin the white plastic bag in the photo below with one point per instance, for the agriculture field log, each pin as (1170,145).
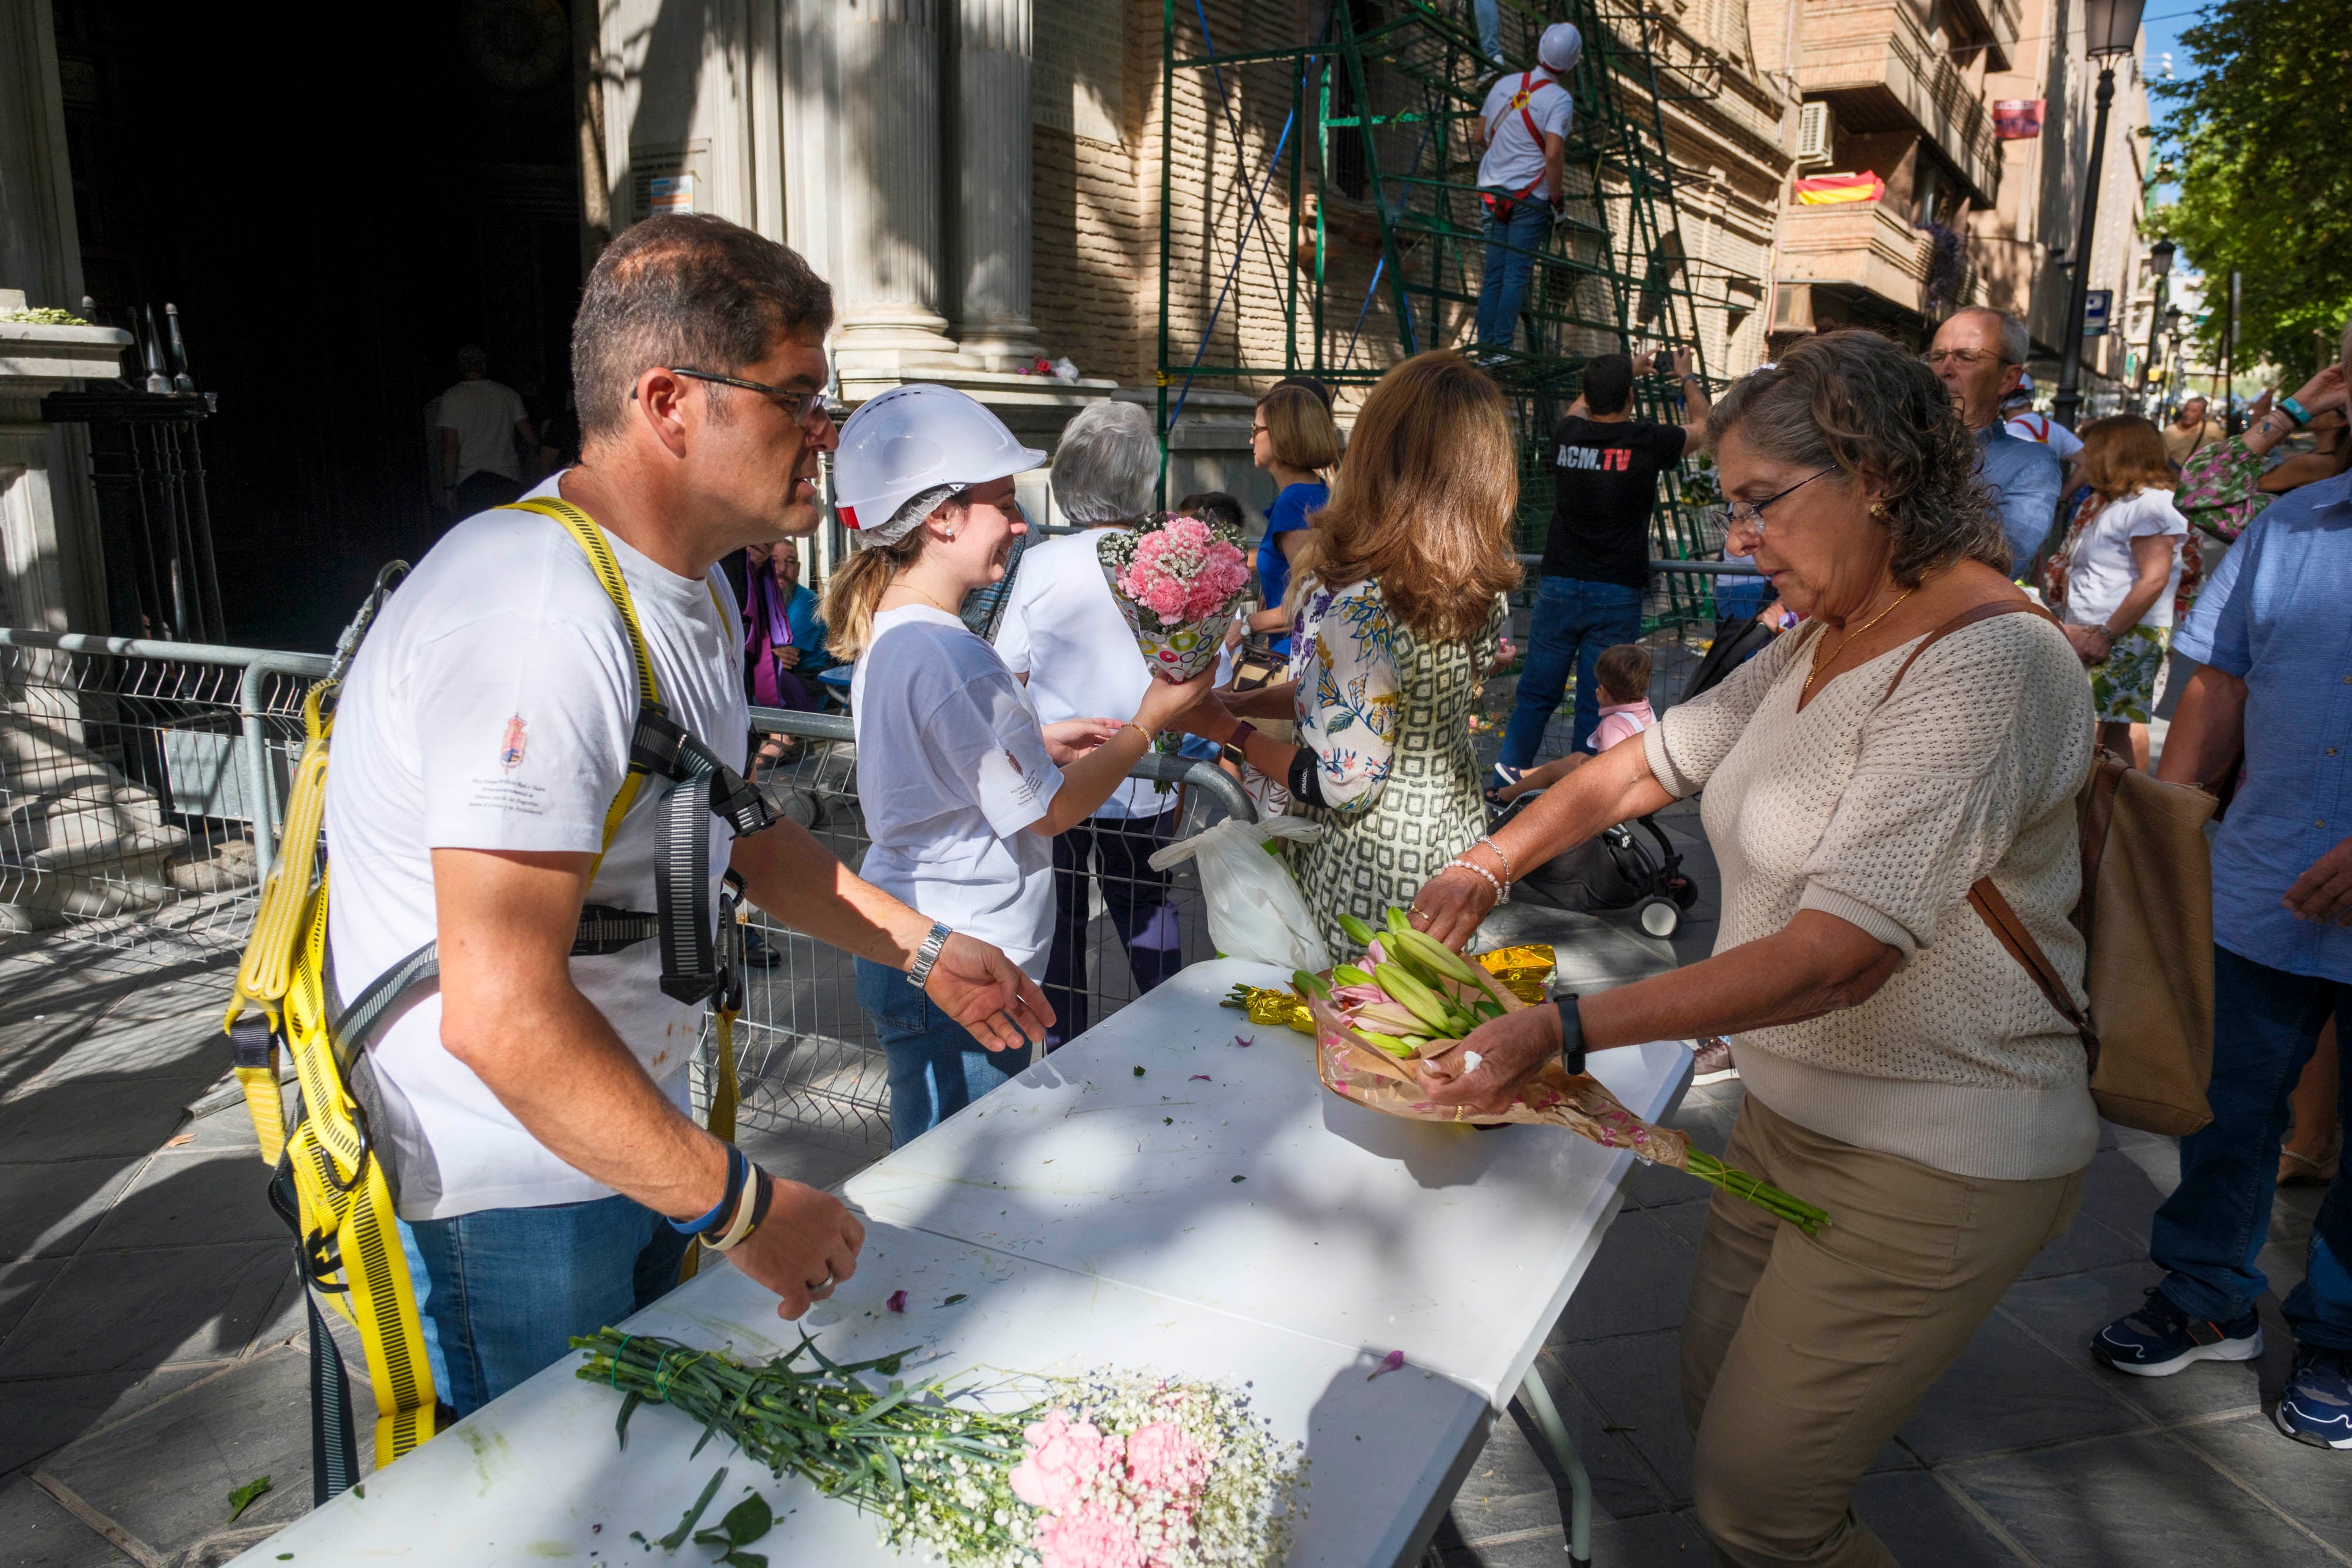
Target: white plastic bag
(1255,909)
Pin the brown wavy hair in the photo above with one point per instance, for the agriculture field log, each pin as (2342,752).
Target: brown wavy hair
(1424,498)
(2123,454)
(1852,401)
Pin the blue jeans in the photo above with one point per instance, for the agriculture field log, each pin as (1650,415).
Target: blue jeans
(502,1291)
(1490,28)
(936,1067)
(1503,286)
(1114,852)
(1574,621)
(2211,1230)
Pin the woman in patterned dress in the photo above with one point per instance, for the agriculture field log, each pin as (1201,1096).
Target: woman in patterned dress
(1399,612)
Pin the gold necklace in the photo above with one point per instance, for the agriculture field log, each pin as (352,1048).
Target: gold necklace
(934,603)
(1820,664)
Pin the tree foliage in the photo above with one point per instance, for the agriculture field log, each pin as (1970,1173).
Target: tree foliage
(2265,181)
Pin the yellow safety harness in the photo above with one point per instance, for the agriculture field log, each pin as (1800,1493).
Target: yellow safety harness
(332,1186)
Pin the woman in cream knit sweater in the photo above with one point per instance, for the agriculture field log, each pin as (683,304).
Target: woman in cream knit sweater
(1902,1070)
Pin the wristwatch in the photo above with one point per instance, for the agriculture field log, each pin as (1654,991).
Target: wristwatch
(1571,1032)
(1235,750)
(918,973)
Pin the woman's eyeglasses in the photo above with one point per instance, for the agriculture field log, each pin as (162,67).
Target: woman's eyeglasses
(810,408)
(1748,517)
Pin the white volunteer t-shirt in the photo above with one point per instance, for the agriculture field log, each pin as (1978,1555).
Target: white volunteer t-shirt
(2041,427)
(2100,573)
(951,770)
(1514,160)
(484,414)
(1063,629)
(490,708)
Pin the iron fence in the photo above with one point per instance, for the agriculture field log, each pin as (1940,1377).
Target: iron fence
(141,784)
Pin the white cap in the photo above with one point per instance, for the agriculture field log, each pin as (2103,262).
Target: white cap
(911,440)
(1561,47)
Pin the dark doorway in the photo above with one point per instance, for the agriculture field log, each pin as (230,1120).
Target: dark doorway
(337,198)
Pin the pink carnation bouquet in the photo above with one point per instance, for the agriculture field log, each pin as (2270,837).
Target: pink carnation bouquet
(1177,581)
(1113,1469)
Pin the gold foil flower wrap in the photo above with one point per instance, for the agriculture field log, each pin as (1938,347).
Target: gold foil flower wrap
(1522,969)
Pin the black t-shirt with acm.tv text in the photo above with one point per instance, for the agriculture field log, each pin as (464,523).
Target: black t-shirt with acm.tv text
(1605,484)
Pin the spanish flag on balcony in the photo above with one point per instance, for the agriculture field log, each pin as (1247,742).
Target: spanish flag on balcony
(1827,190)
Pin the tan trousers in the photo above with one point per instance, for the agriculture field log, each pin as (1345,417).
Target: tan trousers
(1803,1355)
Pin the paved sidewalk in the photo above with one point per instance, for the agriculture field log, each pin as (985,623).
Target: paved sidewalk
(152,1355)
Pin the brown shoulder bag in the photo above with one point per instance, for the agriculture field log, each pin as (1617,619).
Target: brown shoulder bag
(2147,919)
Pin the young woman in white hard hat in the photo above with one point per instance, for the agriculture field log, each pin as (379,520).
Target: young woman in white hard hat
(962,787)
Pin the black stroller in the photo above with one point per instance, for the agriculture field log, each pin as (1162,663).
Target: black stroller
(1611,874)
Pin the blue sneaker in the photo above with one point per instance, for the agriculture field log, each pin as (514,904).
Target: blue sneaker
(2160,1339)
(2316,1408)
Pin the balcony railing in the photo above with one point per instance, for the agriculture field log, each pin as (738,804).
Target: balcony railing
(1874,57)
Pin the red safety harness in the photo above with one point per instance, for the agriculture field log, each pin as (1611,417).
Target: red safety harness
(1503,206)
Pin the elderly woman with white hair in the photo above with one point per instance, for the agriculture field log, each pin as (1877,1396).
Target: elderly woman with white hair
(1063,635)
(964,786)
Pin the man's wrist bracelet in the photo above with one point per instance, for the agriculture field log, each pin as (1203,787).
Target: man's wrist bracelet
(1571,1032)
(2296,412)
(739,1171)
(918,973)
(757,1194)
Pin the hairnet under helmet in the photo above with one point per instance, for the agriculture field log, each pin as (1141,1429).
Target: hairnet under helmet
(1561,47)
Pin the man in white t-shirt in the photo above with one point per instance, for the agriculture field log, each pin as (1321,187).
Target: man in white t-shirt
(2018,416)
(533,1114)
(480,420)
(1522,134)
(1063,635)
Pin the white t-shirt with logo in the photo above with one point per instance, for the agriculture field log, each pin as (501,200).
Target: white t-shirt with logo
(1063,629)
(2041,427)
(490,708)
(484,414)
(951,770)
(1515,160)
(2101,571)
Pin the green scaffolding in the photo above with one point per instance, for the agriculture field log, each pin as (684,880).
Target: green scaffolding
(1376,142)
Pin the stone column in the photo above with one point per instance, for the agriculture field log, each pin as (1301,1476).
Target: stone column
(992,175)
(888,268)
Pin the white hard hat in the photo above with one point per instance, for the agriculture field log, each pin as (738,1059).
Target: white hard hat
(917,438)
(1561,47)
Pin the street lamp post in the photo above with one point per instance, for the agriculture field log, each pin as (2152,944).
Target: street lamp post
(2110,27)
(2174,367)
(2159,264)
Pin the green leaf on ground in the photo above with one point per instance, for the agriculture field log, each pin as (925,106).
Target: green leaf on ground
(951,1300)
(676,1538)
(243,1497)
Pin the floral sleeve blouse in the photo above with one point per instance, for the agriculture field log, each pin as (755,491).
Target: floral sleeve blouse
(1343,655)
(2218,488)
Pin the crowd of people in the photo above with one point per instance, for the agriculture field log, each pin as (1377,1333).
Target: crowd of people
(1917,729)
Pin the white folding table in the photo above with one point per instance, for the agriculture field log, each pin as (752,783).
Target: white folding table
(1216,1213)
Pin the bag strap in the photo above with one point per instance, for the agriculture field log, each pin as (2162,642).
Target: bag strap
(2094,809)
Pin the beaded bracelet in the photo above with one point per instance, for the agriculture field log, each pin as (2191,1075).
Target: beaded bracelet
(1502,892)
(1508,875)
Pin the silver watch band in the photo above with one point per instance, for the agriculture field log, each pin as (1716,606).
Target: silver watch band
(918,973)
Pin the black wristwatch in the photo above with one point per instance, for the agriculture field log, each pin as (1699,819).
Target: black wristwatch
(1571,1032)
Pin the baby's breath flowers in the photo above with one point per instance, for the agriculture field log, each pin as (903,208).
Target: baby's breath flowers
(1114,1470)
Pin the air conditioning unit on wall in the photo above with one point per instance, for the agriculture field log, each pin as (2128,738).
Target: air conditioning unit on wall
(1816,129)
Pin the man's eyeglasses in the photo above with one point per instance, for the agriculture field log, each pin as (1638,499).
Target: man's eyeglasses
(810,408)
(1748,517)
(1938,358)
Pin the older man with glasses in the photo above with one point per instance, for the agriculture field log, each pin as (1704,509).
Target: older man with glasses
(1979,356)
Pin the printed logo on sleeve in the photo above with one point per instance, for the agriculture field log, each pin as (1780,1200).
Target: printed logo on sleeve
(511,748)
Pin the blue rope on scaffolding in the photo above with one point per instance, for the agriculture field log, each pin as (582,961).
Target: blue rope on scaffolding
(1258,213)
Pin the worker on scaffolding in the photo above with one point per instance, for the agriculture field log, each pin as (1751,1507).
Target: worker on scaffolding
(1522,134)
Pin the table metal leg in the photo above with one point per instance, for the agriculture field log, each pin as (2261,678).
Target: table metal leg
(1537,1400)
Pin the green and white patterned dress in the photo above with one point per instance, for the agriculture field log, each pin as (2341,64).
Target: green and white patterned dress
(1388,718)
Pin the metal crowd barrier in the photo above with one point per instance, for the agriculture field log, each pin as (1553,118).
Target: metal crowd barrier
(141,784)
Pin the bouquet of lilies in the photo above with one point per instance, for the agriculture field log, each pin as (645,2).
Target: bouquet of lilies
(1177,581)
(1411,997)
(1108,1469)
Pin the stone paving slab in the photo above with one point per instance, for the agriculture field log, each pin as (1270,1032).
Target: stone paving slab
(36,1532)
